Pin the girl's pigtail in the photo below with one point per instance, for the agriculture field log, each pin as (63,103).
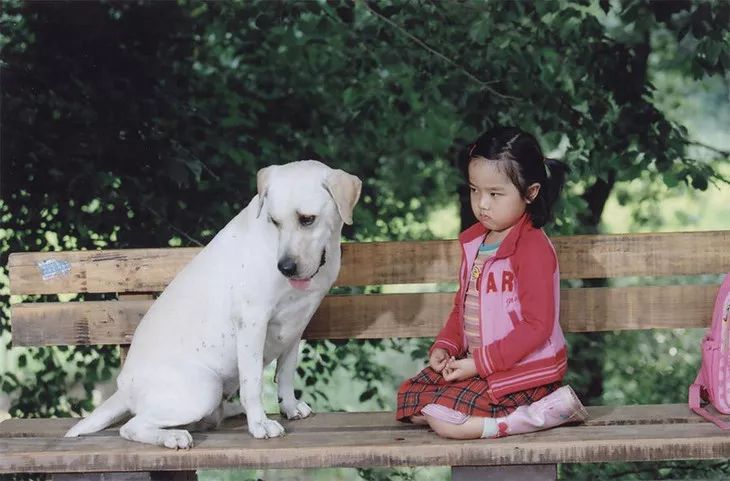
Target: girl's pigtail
(557,173)
(541,209)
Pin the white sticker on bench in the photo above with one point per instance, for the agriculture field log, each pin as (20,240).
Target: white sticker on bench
(52,268)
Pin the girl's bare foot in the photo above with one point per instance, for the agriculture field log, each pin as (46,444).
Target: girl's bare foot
(421,420)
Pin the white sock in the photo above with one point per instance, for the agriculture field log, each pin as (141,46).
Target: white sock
(490,428)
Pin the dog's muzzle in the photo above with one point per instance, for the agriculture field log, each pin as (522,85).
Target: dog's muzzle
(289,267)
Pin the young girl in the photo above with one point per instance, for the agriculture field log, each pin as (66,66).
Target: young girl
(497,365)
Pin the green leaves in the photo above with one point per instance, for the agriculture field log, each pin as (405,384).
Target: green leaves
(124,131)
(368,394)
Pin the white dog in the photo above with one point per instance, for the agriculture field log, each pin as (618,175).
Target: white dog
(242,302)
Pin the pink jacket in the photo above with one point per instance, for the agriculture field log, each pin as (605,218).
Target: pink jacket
(522,342)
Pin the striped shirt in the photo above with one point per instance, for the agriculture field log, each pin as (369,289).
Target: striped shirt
(471,302)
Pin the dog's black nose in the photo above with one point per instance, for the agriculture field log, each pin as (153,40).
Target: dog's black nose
(287,266)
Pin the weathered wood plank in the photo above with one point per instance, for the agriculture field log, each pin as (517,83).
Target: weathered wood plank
(379,315)
(76,323)
(627,308)
(302,448)
(656,254)
(173,476)
(133,476)
(647,414)
(127,270)
(139,296)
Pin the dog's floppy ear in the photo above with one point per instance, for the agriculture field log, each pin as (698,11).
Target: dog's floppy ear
(262,183)
(345,190)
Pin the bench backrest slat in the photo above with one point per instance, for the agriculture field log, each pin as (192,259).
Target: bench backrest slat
(581,257)
(379,315)
(417,313)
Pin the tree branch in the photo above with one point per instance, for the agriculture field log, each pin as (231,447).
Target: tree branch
(726,153)
(175,228)
(485,84)
(195,157)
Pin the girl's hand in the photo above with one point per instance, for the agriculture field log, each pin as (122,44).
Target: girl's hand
(438,359)
(458,370)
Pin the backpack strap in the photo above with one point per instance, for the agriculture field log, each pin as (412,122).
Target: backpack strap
(694,404)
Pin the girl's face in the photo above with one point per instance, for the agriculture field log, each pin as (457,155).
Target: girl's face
(495,200)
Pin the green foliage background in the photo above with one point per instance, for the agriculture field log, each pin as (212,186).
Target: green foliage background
(142,124)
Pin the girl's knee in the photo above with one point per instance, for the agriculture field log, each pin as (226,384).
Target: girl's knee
(451,431)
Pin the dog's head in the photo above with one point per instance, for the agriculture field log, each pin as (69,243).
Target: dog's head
(307,202)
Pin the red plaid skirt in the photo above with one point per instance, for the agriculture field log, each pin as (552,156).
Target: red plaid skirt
(468,396)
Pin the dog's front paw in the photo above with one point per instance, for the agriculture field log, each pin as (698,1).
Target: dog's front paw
(176,439)
(265,429)
(297,410)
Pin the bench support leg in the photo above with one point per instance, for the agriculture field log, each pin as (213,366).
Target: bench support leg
(132,476)
(523,472)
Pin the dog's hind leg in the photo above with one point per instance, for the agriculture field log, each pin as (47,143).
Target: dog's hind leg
(152,425)
(232,408)
(143,430)
(211,421)
(176,404)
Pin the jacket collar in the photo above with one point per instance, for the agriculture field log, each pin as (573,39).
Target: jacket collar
(508,245)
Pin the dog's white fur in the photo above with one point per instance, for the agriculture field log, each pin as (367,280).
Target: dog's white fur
(231,311)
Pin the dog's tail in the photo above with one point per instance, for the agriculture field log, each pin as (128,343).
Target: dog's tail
(110,411)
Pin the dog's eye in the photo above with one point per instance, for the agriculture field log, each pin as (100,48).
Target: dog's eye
(271,219)
(306,219)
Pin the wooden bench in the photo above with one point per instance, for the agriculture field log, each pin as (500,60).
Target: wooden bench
(613,433)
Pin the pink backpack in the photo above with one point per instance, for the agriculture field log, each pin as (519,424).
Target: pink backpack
(713,380)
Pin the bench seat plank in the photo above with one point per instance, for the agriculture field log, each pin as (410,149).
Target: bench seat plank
(368,263)
(628,433)
(599,416)
(378,315)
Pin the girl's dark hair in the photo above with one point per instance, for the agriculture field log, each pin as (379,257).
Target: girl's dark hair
(519,156)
